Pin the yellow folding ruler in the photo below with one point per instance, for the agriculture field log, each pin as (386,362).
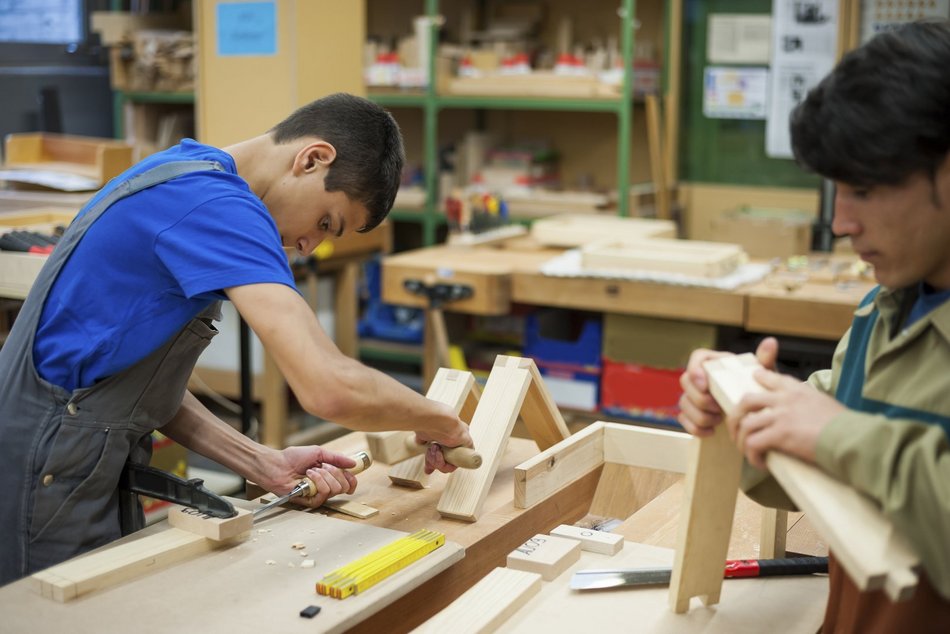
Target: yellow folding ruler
(369,570)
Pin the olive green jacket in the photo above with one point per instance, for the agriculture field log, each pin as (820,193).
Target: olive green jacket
(902,463)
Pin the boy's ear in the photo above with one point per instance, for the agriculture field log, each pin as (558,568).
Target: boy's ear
(313,156)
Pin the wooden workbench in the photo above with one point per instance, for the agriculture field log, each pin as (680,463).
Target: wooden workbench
(501,276)
(216,589)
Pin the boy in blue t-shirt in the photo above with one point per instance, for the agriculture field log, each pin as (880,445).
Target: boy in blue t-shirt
(101,353)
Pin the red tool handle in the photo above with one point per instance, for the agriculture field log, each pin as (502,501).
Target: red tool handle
(772,567)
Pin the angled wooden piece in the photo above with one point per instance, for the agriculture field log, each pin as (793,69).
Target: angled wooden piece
(455,388)
(490,428)
(539,412)
(485,606)
(862,538)
(709,503)
(558,466)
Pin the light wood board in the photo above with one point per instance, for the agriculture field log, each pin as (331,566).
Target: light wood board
(486,605)
(234,588)
(791,605)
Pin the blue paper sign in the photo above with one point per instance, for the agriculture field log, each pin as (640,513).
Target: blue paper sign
(247,28)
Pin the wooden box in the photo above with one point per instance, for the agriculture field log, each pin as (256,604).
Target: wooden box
(683,257)
(39,157)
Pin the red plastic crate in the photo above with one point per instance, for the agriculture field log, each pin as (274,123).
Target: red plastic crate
(640,392)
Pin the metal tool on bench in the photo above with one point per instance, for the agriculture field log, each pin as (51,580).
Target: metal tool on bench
(599,579)
(307,488)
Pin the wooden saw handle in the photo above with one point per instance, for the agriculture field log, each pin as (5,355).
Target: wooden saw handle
(462,457)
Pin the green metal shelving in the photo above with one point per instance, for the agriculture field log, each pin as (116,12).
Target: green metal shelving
(431,103)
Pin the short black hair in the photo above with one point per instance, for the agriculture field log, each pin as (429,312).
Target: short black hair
(883,113)
(369,151)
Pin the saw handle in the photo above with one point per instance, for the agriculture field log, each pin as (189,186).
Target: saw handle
(462,457)
(363,462)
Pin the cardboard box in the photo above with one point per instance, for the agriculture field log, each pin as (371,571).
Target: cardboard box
(765,233)
(659,343)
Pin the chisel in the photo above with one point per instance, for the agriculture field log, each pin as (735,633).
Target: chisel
(307,488)
(598,579)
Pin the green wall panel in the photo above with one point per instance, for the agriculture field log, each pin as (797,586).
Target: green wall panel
(728,151)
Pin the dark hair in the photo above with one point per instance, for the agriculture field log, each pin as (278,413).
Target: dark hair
(369,152)
(883,114)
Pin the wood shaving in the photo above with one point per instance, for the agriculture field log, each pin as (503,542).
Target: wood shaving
(270,562)
(307,564)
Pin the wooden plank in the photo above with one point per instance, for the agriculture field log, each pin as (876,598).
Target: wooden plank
(214,528)
(539,411)
(451,387)
(712,484)
(351,508)
(261,563)
(591,540)
(656,149)
(346,308)
(543,475)
(546,555)
(491,426)
(646,447)
(113,566)
(792,605)
(487,605)
(773,533)
(862,538)
(576,230)
(685,257)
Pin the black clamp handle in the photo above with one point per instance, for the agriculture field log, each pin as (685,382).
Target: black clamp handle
(156,483)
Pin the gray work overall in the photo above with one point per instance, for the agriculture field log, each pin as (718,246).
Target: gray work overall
(61,452)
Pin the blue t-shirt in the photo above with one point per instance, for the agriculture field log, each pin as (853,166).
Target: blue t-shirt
(150,264)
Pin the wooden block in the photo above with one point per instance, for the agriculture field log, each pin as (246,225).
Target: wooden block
(117,564)
(388,446)
(773,533)
(684,257)
(351,508)
(731,378)
(591,540)
(215,528)
(545,555)
(455,388)
(485,606)
(491,426)
(577,230)
(712,485)
(558,466)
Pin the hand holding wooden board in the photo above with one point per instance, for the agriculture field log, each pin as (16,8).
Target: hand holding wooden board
(861,536)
